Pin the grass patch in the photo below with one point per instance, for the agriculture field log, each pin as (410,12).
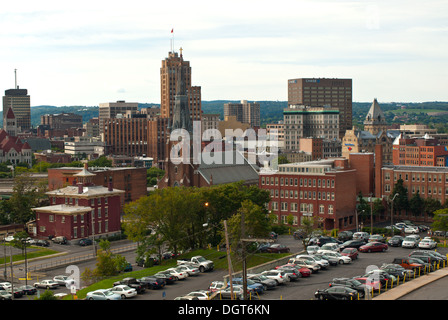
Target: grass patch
(36,253)
(218,257)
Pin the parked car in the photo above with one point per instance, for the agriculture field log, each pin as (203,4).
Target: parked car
(333,261)
(323,240)
(341,259)
(166,276)
(152,282)
(355,243)
(28,290)
(124,291)
(63,280)
(178,273)
(216,286)
(268,284)
(369,283)
(427,244)
(4,295)
(426,257)
(305,263)
(85,242)
(299,234)
(312,249)
(251,285)
(373,247)
(321,262)
(273,235)
(337,293)
(411,229)
(189,269)
(352,253)
(200,294)
(434,255)
(293,273)
(186,297)
(277,248)
(361,235)
(395,241)
(5,285)
(133,283)
(408,264)
(397,271)
(42,243)
(47,284)
(102,294)
(382,276)
(305,272)
(351,283)
(424,261)
(423,228)
(410,241)
(331,246)
(345,235)
(226,293)
(276,275)
(377,238)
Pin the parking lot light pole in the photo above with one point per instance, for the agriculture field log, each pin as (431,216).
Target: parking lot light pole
(392,214)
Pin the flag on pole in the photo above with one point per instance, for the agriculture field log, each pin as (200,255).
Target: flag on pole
(172,30)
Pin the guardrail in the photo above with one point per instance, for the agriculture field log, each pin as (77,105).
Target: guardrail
(80,258)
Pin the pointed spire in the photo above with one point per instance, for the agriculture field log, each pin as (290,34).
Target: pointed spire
(375,113)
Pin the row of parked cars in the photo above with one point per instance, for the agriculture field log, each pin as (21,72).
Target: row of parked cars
(130,287)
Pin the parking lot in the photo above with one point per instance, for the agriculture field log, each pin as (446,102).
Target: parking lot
(303,289)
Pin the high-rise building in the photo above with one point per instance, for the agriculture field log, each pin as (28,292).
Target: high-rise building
(316,92)
(245,112)
(110,110)
(303,122)
(169,72)
(19,101)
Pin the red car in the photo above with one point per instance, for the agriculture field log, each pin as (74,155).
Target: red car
(375,284)
(305,272)
(350,252)
(373,247)
(277,248)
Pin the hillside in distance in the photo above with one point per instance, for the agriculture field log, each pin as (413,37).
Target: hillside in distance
(434,114)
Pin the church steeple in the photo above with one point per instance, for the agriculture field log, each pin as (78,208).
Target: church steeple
(375,120)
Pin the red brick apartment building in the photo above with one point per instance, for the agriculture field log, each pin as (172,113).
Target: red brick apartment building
(325,189)
(423,151)
(80,210)
(131,180)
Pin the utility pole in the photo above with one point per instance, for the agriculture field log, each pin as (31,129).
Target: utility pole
(243,244)
(12,277)
(229,262)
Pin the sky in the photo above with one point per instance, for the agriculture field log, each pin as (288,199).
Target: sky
(89,52)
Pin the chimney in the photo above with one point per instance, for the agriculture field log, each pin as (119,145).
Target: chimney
(110,186)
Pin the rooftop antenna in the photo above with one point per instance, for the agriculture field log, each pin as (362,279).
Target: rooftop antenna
(15,76)
(172,40)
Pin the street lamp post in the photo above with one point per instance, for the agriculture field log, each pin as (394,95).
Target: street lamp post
(24,243)
(392,213)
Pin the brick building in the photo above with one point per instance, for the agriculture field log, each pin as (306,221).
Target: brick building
(132,181)
(80,210)
(325,189)
(422,151)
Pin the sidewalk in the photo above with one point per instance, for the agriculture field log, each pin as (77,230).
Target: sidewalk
(414,284)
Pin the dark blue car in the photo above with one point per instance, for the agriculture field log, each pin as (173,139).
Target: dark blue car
(251,285)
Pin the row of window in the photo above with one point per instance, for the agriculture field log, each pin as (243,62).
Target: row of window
(302,182)
(82,233)
(417,177)
(294,194)
(304,207)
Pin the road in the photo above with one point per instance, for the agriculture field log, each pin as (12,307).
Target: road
(301,290)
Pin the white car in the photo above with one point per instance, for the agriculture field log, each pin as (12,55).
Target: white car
(48,284)
(330,246)
(276,275)
(189,269)
(321,262)
(63,280)
(305,263)
(200,294)
(216,286)
(178,273)
(341,259)
(410,241)
(312,249)
(124,291)
(427,244)
(5,286)
(411,229)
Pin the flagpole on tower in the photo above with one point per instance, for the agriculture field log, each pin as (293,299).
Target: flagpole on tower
(172,40)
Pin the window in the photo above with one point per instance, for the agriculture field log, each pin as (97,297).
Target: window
(321,208)
(51,218)
(330,209)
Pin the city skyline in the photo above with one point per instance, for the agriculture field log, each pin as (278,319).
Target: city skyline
(101,52)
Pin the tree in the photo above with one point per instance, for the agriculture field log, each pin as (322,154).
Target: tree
(440,220)
(401,202)
(431,205)
(27,193)
(417,204)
